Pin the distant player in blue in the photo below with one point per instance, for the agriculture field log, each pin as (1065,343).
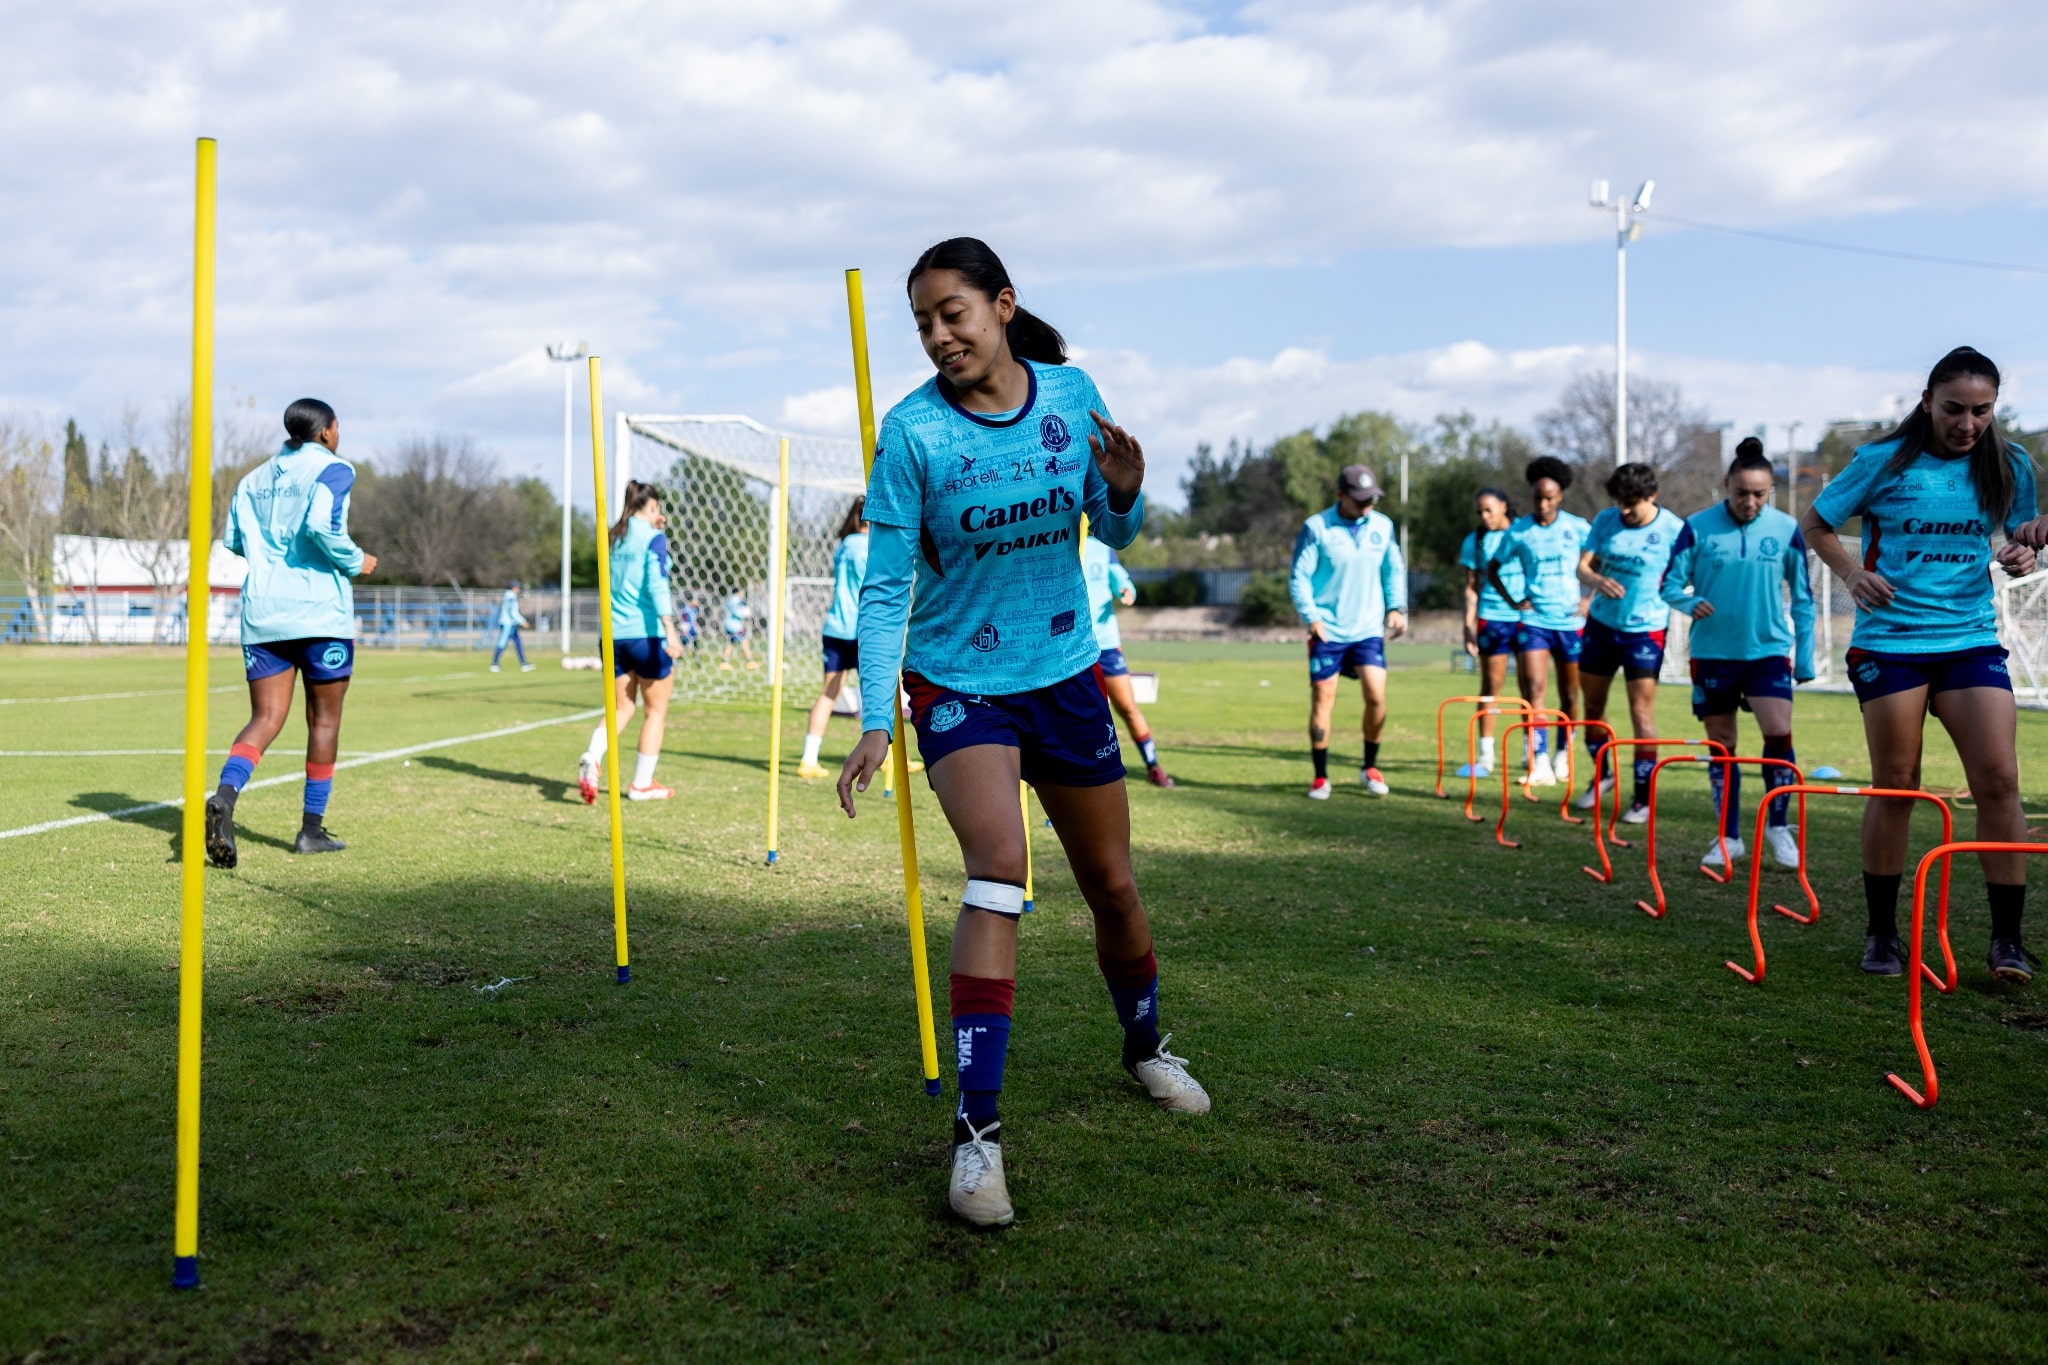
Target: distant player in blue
(737,620)
(644,643)
(1490,615)
(1931,496)
(1737,566)
(289,520)
(842,652)
(1546,546)
(1108,584)
(510,622)
(980,481)
(1350,588)
(1623,563)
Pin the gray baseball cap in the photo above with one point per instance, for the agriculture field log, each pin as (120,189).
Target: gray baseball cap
(1356,481)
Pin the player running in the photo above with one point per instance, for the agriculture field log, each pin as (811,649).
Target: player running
(1626,553)
(644,643)
(1730,572)
(1931,494)
(1350,588)
(842,652)
(289,520)
(1108,584)
(979,484)
(510,622)
(1545,546)
(1490,615)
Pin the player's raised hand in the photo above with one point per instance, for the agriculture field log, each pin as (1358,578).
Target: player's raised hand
(1117,455)
(2034,534)
(862,764)
(2016,558)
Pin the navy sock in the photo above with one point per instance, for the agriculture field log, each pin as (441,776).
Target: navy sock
(981,1008)
(1593,743)
(1372,754)
(1148,751)
(2007,902)
(1644,767)
(1134,990)
(1321,758)
(1881,899)
(1778,746)
(519,649)
(1731,776)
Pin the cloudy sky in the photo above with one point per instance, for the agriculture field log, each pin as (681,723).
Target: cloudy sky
(1247,218)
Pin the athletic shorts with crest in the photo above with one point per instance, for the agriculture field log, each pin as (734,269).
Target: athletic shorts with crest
(1875,675)
(321,660)
(1605,651)
(1063,734)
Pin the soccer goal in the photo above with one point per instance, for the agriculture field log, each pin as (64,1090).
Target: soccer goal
(718,478)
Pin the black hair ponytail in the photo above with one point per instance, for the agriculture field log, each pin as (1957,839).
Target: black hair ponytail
(305,420)
(637,496)
(1031,337)
(1991,475)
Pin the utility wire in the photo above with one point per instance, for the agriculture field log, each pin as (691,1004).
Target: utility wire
(1856,250)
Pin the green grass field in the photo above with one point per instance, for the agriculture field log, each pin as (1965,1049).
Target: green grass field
(1468,1102)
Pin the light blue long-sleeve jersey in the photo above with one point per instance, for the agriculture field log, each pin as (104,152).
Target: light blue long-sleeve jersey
(1925,532)
(640,592)
(974,519)
(289,519)
(1549,560)
(1479,550)
(1108,581)
(1744,570)
(1348,574)
(1635,557)
(509,615)
(849,569)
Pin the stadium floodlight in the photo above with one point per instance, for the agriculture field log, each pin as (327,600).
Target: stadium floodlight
(568,353)
(1625,231)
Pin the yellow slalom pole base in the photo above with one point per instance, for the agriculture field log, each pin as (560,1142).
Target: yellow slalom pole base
(604,672)
(899,754)
(192,852)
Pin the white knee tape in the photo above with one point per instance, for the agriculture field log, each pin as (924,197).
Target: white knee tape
(998,898)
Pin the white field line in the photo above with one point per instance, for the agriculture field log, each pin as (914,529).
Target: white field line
(382,757)
(179,691)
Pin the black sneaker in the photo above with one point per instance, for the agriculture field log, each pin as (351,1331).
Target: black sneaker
(2010,962)
(1881,955)
(220,831)
(316,839)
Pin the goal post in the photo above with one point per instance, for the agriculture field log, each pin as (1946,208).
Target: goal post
(717,476)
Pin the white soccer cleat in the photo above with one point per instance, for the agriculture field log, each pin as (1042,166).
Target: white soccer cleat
(1590,797)
(496,669)
(1319,790)
(1784,848)
(527,668)
(586,779)
(1374,784)
(653,791)
(1540,774)
(977,1190)
(1475,770)
(1636,815)
(1165,1078)
(1737,851)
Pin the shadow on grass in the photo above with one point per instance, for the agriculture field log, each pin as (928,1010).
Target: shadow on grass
(549,788)
(127,810)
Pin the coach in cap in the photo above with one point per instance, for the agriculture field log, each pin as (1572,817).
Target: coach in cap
(1350,586)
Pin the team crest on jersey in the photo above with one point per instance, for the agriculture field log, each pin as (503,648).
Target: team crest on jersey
(1656,537)
(986,639)
(1769,546)
(1053,433)
(1373,538)
(946,715)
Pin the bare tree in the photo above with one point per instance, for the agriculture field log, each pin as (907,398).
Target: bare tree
(144,498)
(438,513)
(31,493)
(1664,432)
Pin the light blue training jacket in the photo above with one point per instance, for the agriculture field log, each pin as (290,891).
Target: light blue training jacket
(1744,570)
(1348,574)
(640,593)
(289,520)
(1108,581)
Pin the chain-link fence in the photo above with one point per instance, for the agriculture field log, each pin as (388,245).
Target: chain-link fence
(386,618)
(718,478)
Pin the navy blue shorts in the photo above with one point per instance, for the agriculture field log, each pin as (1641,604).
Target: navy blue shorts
(1720,687)
(1605,651)
(1112,663)
(1880,675)
(646,657)
(1063,733)
(1565,644)
(1497,638)
(321,660)
(1328,658)
(840,654)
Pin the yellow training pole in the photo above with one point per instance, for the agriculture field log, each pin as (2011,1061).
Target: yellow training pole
(776,669)
(192,851)
(1024,801)
(906,831)
(604,671)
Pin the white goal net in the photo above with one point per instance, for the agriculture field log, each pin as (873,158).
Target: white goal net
(718,478)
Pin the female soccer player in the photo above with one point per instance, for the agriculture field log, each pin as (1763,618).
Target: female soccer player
(1109,584)
(1731,572)
(979,483)
(1490,615)
(510,621)
(289,520)
(738,622)
(1623,563)
(1931,494)
(1545,545)
(849,567)
(644,642)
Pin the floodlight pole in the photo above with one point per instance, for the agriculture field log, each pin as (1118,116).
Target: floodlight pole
(1792,467)
(1625,231)
(567,352)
